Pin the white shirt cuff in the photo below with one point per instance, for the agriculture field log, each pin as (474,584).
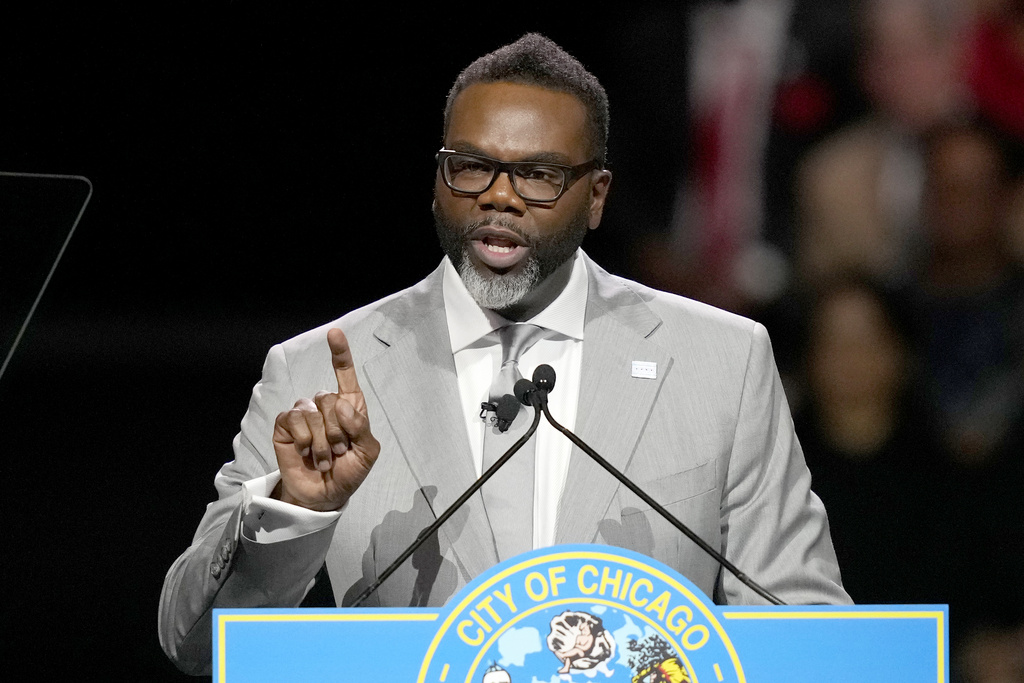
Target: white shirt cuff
(266,520)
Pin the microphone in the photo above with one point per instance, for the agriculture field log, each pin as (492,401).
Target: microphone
(544,378)
(533,390)
(506,403)
(505,412)
(543,382)
(527,393)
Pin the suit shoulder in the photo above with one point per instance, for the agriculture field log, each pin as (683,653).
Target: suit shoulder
(677,311)
(360,325)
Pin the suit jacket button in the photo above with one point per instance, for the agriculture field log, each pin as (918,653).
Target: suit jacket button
(216,569)
(225,551)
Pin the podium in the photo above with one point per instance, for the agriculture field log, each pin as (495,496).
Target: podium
(576,613)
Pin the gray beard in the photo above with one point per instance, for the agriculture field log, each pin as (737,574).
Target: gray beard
(499,292)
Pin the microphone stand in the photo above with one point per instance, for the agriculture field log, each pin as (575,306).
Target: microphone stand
(539,401)
(426,533)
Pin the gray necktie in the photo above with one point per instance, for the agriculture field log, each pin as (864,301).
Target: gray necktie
(508,495)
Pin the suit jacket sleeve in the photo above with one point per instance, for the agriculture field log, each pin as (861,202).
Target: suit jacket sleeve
(223,568)
(773,527)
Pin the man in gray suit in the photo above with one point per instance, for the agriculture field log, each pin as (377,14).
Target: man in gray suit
(684,398)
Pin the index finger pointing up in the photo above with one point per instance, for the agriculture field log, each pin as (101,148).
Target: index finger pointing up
(341,359)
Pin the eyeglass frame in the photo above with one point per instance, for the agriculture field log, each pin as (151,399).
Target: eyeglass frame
(571,173)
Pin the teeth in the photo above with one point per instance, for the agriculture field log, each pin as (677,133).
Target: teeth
(500,250)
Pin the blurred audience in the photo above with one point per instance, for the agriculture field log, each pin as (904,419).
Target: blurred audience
(913,425)
(967,299)
(898,212)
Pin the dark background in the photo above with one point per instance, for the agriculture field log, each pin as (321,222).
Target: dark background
(257,170)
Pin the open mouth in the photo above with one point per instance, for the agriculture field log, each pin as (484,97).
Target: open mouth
(500,246)
(498,249)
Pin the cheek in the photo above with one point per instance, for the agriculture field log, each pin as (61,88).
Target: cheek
(444,206)
(565,216)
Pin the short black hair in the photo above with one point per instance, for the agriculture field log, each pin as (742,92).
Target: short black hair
(537,60)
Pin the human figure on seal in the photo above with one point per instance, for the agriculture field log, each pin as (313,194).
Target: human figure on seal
(579,641)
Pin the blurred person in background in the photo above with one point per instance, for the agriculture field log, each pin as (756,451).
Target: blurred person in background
(969,296)
(858,192)
(870,445)
(991,656)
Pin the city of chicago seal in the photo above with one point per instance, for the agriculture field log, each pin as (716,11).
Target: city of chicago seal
(580,613)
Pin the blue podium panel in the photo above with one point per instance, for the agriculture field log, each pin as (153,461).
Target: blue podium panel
(323,645)
(862,643)
(584,613)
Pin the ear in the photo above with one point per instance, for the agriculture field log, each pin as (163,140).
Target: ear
(600,183)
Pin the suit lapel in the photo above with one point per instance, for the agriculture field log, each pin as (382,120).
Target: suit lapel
(416,383)
(613,405)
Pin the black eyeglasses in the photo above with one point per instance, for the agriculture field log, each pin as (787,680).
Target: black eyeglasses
(533,181)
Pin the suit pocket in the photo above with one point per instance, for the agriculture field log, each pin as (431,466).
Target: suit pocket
(677,487)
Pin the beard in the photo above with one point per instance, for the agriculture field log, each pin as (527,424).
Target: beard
(500,291)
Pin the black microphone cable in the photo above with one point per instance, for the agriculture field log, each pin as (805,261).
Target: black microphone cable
(426,533)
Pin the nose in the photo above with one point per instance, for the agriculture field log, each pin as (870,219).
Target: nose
(501,197)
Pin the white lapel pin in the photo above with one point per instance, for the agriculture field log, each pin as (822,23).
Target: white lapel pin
(645,369)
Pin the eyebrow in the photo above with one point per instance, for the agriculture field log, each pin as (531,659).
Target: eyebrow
(539,157)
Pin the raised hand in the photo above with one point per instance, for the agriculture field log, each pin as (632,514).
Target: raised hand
(324,445)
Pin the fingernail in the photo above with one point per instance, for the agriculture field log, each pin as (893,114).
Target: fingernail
(324,465)
(338,448)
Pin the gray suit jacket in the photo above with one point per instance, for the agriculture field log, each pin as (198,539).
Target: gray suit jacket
(711,439)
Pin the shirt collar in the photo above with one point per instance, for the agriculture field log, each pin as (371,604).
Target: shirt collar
(468,322)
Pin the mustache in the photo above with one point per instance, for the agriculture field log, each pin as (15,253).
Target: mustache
(498,222)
